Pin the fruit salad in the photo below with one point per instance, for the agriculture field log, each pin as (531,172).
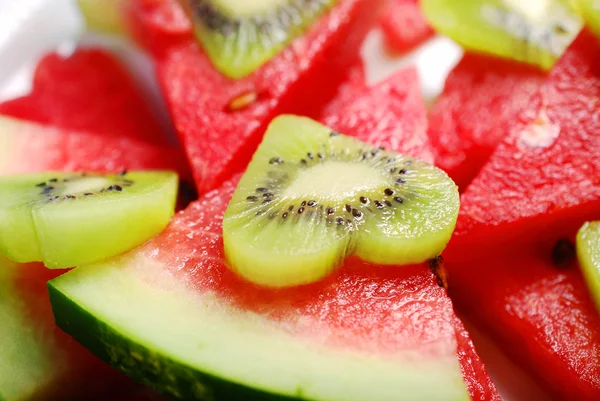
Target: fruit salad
(298,229)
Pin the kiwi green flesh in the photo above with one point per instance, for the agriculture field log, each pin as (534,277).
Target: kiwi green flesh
(590,9)
(105,16)
(534,32)
(68,219)
(240,36)
(588,253)
(312,197)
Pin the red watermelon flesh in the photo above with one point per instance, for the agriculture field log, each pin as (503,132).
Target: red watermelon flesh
(540,314)
(219,140)
(404,25)
(89,90)
(546,174)
(29,147)
(390,114)
(482,98)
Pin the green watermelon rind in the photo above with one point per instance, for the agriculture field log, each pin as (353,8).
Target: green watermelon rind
(112,311)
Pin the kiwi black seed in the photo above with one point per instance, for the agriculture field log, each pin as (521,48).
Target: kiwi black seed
(241,36)
(349,200)
(66,188)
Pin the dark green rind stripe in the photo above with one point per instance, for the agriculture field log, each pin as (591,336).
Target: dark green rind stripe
(159,371)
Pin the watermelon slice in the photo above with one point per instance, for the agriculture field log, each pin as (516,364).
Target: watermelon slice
(546,173)
(482,98)
(404,25)
(89,90)
(38,360)
(540,314)
(209,109)
(29,147)
(390,114)
(369,332)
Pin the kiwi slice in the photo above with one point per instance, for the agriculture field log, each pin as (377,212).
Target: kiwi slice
(239,36)
(532,31)
(68,219)
(312,197)
(588,253)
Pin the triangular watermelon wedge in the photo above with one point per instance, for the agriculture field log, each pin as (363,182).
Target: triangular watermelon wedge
(89,90)
(540,314)
(389,114)
(29,147)
(364,313)
(379,313)
(546,173)
(220,120)
(482,98)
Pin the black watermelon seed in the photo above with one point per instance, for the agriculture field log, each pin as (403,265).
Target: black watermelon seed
(356,213)
(403,171)
(363,200)
(330,211)
(309,155)
(333,133)
(398,199)
(276,160)
(312,203)
(400,181)
(261,189)
(348,208)
(301,210)
(563,253)
(41,184)
(388,192)
(378,204)
(284,216)
(252,198)
(387,202)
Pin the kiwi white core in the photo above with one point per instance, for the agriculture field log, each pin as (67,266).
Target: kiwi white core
(534,10)
(335,181)
(248,7)
(90,184)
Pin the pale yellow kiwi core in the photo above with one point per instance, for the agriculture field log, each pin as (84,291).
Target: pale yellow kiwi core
(248,7)
(83,185)
(334,181)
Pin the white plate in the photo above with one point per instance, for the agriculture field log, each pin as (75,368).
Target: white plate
(30,28)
